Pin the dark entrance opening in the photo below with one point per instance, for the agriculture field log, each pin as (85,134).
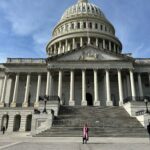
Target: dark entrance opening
(28,123)
(17,122)
(4,123)
(89,99)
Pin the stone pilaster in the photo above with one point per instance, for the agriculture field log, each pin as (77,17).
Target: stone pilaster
(13,104)
(108,94)
(36,104)
(11,122)
(140,85)
(27,90)
(60,86)
(71,100)
(96,98)
(84,102)
(120,88)
(132,84)
(3,91)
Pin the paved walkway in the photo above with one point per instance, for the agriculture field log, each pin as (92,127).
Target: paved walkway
(75,146)
(26,142)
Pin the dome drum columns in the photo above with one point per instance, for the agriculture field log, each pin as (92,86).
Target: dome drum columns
(73,43)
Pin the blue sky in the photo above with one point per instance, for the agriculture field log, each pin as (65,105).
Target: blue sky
(26,25)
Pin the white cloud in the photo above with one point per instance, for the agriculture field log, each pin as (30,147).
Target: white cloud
(3,57)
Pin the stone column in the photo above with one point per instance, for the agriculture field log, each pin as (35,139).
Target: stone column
(59,49)
(140,85)
(104,44)
(55,48)
(128,85)
(108,94)
(36,104)
(3,91)
(27,90)
(48,84)
(66,45)
(110,45)
(96,42)
(84,102)
(13,104)
(149,77)
(115,48)
(120,88)
(60,86)
(73,43)
(89,40)
(132,84)
(81,42)
(71,100)
(96,97)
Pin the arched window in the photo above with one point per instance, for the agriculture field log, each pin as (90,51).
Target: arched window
(84,25)
(96,26)
(78,25)
(17,122)
(4,122)
(90,25)
(101,27)
(83,9)
(28,123)
(72,26)
(66,27)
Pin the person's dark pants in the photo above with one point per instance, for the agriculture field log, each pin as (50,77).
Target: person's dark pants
(84,140)
(3,131)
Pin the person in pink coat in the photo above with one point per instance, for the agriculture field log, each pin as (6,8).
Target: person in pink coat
(85,134)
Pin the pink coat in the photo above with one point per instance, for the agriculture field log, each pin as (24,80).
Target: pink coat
(85,132)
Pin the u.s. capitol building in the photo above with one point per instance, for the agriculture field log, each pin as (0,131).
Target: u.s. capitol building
(85,66)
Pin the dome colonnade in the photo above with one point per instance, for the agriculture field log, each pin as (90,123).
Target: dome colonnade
(83,24)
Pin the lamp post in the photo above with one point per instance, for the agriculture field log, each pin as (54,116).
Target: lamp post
(146,104)
(45,99)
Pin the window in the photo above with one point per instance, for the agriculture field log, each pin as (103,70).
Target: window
(90,25)
(66,27)
(101,27)
(96,26)
(78,25)
(83,9)
(72,26)
(84,25)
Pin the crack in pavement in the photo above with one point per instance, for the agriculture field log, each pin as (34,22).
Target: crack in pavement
(9,145)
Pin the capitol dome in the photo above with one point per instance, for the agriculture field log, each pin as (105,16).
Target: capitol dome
(82,8)
(83,24)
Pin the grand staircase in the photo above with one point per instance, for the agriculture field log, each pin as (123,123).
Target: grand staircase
(102,122)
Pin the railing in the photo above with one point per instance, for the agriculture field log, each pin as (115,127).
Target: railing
(50,98)
(26,60)
(139,113)
(136,98)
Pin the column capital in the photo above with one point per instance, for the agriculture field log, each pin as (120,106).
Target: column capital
(131,69)
(107,69)
(119,69)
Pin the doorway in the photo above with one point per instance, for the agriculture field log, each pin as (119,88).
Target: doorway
(28,123)
(17,122)
(89,99)
(5,120)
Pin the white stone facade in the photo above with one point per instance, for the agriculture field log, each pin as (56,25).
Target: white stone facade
(85,66)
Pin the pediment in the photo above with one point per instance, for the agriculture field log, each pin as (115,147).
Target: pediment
(88,53)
